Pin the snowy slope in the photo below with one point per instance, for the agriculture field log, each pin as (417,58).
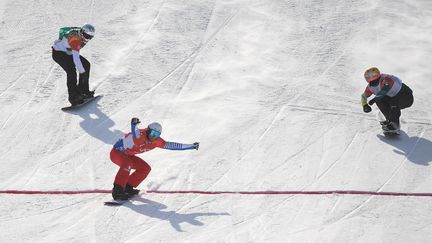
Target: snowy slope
(271,89)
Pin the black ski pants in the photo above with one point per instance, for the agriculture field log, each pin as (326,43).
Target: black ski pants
(391,106)
(66,62)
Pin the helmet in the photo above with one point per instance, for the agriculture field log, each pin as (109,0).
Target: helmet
(154,129)
(87,31)
(372,74)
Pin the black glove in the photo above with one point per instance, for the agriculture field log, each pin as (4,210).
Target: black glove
(196,145)
(135,121)
(372,101)
(367,108)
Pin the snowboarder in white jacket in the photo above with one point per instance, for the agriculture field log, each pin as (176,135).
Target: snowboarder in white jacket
(65,52)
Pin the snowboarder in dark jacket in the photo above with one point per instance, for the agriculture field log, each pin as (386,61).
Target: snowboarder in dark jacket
(391,96)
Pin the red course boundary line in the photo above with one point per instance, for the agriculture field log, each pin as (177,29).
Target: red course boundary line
(54,192)
(371,193)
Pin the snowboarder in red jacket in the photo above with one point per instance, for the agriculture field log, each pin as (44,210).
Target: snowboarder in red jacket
(135,142)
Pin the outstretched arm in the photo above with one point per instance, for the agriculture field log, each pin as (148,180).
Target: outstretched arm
(180,146)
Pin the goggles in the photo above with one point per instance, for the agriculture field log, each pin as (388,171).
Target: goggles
(372,74)
(374,82)
(154,133)
(87,36)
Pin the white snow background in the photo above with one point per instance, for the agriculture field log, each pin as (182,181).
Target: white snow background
(271,89)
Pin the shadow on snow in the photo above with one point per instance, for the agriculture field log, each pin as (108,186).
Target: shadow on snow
(96,123)
(417,149)
(155,210)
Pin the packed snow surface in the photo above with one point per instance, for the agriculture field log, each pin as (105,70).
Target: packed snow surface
(271,90)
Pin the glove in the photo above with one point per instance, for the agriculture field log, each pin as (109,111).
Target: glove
(372,101)
(367,108)
(196,145)
(135,121)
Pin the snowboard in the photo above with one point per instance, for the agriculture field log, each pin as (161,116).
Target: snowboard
(115,202)
(118,202)
(391,133)
(387,132)
(86,101)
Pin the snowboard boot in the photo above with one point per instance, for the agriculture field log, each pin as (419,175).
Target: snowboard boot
(392,126)
(118,193)
(88,94)
(384,123)
(76,100)
(131,191)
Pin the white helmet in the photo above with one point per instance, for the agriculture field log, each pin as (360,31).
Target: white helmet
(88,31)
(154,129)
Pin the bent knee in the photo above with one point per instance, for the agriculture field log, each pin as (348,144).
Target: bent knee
(145,167)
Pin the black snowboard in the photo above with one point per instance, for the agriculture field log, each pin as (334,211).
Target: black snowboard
(86,101)
(386,132)
(115,202)
(118,202)
(391,133)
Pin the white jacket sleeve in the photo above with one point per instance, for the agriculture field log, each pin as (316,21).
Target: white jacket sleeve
(77,61)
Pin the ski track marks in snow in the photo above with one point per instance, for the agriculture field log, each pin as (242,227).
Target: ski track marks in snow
(322,48)
(139,40)
(31,97)
(251,148)
(403,160)
(19,78)
(380,189)
(188,61)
